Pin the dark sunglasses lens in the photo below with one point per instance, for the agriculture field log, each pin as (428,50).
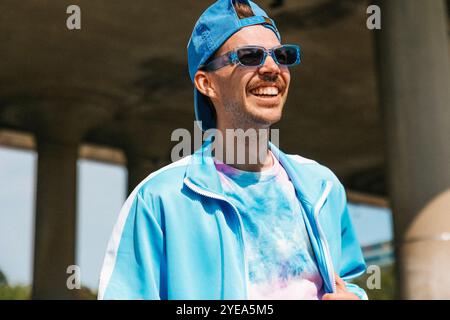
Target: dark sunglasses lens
(286,55)
(250,56)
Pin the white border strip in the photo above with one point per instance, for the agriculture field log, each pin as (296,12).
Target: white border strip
(301,159)
(113,244)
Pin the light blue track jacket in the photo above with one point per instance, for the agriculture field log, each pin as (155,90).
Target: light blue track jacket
(178,237)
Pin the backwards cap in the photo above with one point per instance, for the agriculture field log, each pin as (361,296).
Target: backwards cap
(218,23)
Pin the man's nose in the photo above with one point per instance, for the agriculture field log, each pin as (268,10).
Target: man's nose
(269,67)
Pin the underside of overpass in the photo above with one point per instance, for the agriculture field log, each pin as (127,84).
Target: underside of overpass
(121,83)
(122,80)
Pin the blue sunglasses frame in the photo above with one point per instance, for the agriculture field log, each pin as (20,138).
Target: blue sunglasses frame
(231,57)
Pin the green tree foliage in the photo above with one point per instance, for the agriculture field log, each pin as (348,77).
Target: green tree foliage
(20,292)
(3,280)
(14,292)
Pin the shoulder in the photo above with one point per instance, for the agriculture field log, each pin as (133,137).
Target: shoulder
(311,170)
(301,160)
(167,178)
(313,167)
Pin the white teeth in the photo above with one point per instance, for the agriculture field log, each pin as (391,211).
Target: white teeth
(268,91)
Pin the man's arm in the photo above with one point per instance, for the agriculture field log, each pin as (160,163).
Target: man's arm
(133,265)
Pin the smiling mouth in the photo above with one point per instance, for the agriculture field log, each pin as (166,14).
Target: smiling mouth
(265,92)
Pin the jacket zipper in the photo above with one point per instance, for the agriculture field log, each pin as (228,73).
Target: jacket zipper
(322,238)
(216,196)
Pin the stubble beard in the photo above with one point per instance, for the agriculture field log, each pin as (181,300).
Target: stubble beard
(239,118)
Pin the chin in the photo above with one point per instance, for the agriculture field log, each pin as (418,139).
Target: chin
(268,117)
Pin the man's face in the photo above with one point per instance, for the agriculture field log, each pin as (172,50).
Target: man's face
(250,96)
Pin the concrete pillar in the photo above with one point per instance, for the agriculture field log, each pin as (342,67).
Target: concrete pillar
(139,167)
(55,222)
(59,125)
(146,142)
(414,84)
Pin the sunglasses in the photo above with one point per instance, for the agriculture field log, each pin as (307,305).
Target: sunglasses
(254,56)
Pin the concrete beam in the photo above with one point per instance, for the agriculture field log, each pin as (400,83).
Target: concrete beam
(26,141)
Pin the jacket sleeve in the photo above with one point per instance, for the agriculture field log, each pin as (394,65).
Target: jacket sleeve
(352,263)
(134,262)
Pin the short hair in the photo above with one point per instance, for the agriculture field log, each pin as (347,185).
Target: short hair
(243,9)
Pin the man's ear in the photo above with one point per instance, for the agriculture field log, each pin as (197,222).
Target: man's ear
(203,83)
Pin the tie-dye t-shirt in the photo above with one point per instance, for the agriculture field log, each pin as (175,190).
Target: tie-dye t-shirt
(281,263)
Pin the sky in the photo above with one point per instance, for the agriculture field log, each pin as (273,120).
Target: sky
(101,193)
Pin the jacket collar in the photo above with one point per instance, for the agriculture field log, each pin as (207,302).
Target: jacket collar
(202,172)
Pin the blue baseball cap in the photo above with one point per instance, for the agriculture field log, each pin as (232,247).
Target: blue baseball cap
(218,23)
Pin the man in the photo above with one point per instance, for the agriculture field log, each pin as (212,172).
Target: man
(211,227)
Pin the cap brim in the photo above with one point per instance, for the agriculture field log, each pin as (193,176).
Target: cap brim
(204,111)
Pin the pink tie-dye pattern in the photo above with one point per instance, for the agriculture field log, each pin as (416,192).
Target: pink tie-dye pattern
(286,270)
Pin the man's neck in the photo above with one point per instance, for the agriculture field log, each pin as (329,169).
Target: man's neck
(244,154)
